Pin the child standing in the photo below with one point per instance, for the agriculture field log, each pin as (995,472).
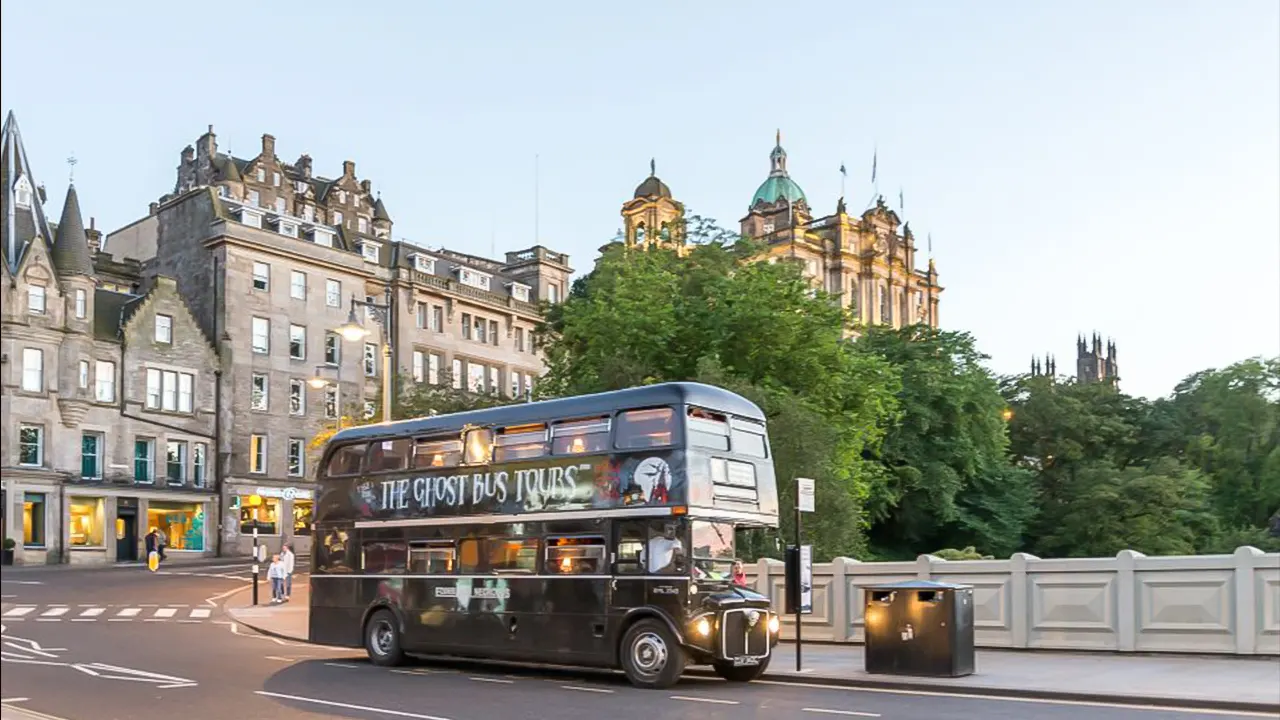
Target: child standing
(276,574)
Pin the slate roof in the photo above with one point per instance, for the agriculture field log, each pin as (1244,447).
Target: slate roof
(110,310)
(20,224)
(71,255)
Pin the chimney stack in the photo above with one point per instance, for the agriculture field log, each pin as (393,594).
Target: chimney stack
(93,235)
(348,168)
(268,145)
(304,165)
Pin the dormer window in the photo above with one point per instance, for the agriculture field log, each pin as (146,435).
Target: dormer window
(424,263)
(22,192)
(474,278)
(323,237)
(519,291)
(342,196)
(300,187)
(362,225)
(370,251)
(262,175)
(252,218)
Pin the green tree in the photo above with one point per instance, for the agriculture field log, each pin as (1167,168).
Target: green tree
(759,328)
(944,478)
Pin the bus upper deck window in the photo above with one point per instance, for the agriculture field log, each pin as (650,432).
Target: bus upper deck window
(708,429)
(477,446)
(389,455)
(576,437)
(520,442)
(431,453)
(652,427)
(346,460)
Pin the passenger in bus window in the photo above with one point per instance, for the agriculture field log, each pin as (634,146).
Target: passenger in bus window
(739,574)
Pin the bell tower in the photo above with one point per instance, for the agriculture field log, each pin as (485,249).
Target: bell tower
(652,217)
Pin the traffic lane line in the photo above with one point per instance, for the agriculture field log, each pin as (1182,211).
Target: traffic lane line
(349,706)
(852,713)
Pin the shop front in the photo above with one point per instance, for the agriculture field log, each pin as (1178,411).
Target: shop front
(280,514)
(87,523)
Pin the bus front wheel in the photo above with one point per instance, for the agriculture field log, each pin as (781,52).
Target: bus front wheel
(382,639)
(740,673)
(651,655)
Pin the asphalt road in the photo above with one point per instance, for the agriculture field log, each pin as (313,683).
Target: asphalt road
(107,666)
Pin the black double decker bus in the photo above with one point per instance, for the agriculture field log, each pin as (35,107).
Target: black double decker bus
(594,531)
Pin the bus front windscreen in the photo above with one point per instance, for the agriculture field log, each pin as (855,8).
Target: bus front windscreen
(713,550)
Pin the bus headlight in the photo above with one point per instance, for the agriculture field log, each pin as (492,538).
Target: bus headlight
(702,627)
(773,624)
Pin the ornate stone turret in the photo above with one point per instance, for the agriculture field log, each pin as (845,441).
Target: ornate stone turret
(652,217)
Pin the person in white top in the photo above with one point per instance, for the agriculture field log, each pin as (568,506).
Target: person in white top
(662,550)
(276,574)
(286,559)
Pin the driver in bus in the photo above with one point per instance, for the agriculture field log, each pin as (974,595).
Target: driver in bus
(662,550)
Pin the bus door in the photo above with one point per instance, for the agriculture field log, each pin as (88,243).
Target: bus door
(576,598)
(645,550)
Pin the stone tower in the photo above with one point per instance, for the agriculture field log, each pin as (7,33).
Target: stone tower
(1096,362)
(652,217)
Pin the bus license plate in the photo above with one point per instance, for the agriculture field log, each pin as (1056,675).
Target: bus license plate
(745,661)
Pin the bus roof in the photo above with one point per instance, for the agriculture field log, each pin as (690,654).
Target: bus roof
(672,393)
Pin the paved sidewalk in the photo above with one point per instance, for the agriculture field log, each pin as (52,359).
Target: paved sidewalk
(1228,683)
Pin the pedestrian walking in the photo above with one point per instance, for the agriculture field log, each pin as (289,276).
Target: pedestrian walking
(287,558)
(161,543)
(152,545)
(276,574)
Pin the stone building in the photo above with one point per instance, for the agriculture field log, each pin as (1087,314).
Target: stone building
(270,257)
(1095,362)
(108,397)
(869,261)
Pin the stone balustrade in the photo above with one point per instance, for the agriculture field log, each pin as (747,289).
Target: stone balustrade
(1222,604)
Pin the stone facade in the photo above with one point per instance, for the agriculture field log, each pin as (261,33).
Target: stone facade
(107,398)
(270,257)
(869,261)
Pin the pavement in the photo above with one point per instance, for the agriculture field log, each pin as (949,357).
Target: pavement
(1208,682)
(114,665)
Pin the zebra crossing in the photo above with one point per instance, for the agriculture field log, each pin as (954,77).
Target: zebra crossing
(184,614)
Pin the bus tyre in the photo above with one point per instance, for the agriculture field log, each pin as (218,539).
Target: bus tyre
(382,639)
(651,656)
(741,673)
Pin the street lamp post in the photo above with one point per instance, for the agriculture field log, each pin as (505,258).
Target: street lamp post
(353,331)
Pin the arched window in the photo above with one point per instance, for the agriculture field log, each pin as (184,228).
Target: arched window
(22,192)
(640,239)
(664,233)
(884,303)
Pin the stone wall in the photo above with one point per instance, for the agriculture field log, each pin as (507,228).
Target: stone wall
(1228,604)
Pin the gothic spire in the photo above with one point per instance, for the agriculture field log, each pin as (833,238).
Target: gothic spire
(23,199)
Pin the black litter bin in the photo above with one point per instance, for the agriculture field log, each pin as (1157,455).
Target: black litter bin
(919,627)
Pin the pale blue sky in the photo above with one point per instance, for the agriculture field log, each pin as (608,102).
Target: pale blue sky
(1109,166)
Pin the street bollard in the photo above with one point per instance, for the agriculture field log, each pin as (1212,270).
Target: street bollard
(255,564)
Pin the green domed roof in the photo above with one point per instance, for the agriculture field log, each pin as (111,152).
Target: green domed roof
(779,185)
(776,188)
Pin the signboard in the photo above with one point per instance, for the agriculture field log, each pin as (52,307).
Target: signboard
(806,579)
(804,494)
(548,484)
(287,493)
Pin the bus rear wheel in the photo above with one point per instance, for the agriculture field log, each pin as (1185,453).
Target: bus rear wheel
(382,639)
(740,673)
(651,655)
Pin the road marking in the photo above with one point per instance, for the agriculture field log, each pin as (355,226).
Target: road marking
(277,658)
(582,688)
(716,701)
(93,612)
(83,620)
(166,612)
(493,680)
(119,619)
(18,611)
(349,706)
(13,700)
(200,613)
(854,713)
(1037,701)
(22,582)
(44,619)
(129,612)
(342,665)
(54,612)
